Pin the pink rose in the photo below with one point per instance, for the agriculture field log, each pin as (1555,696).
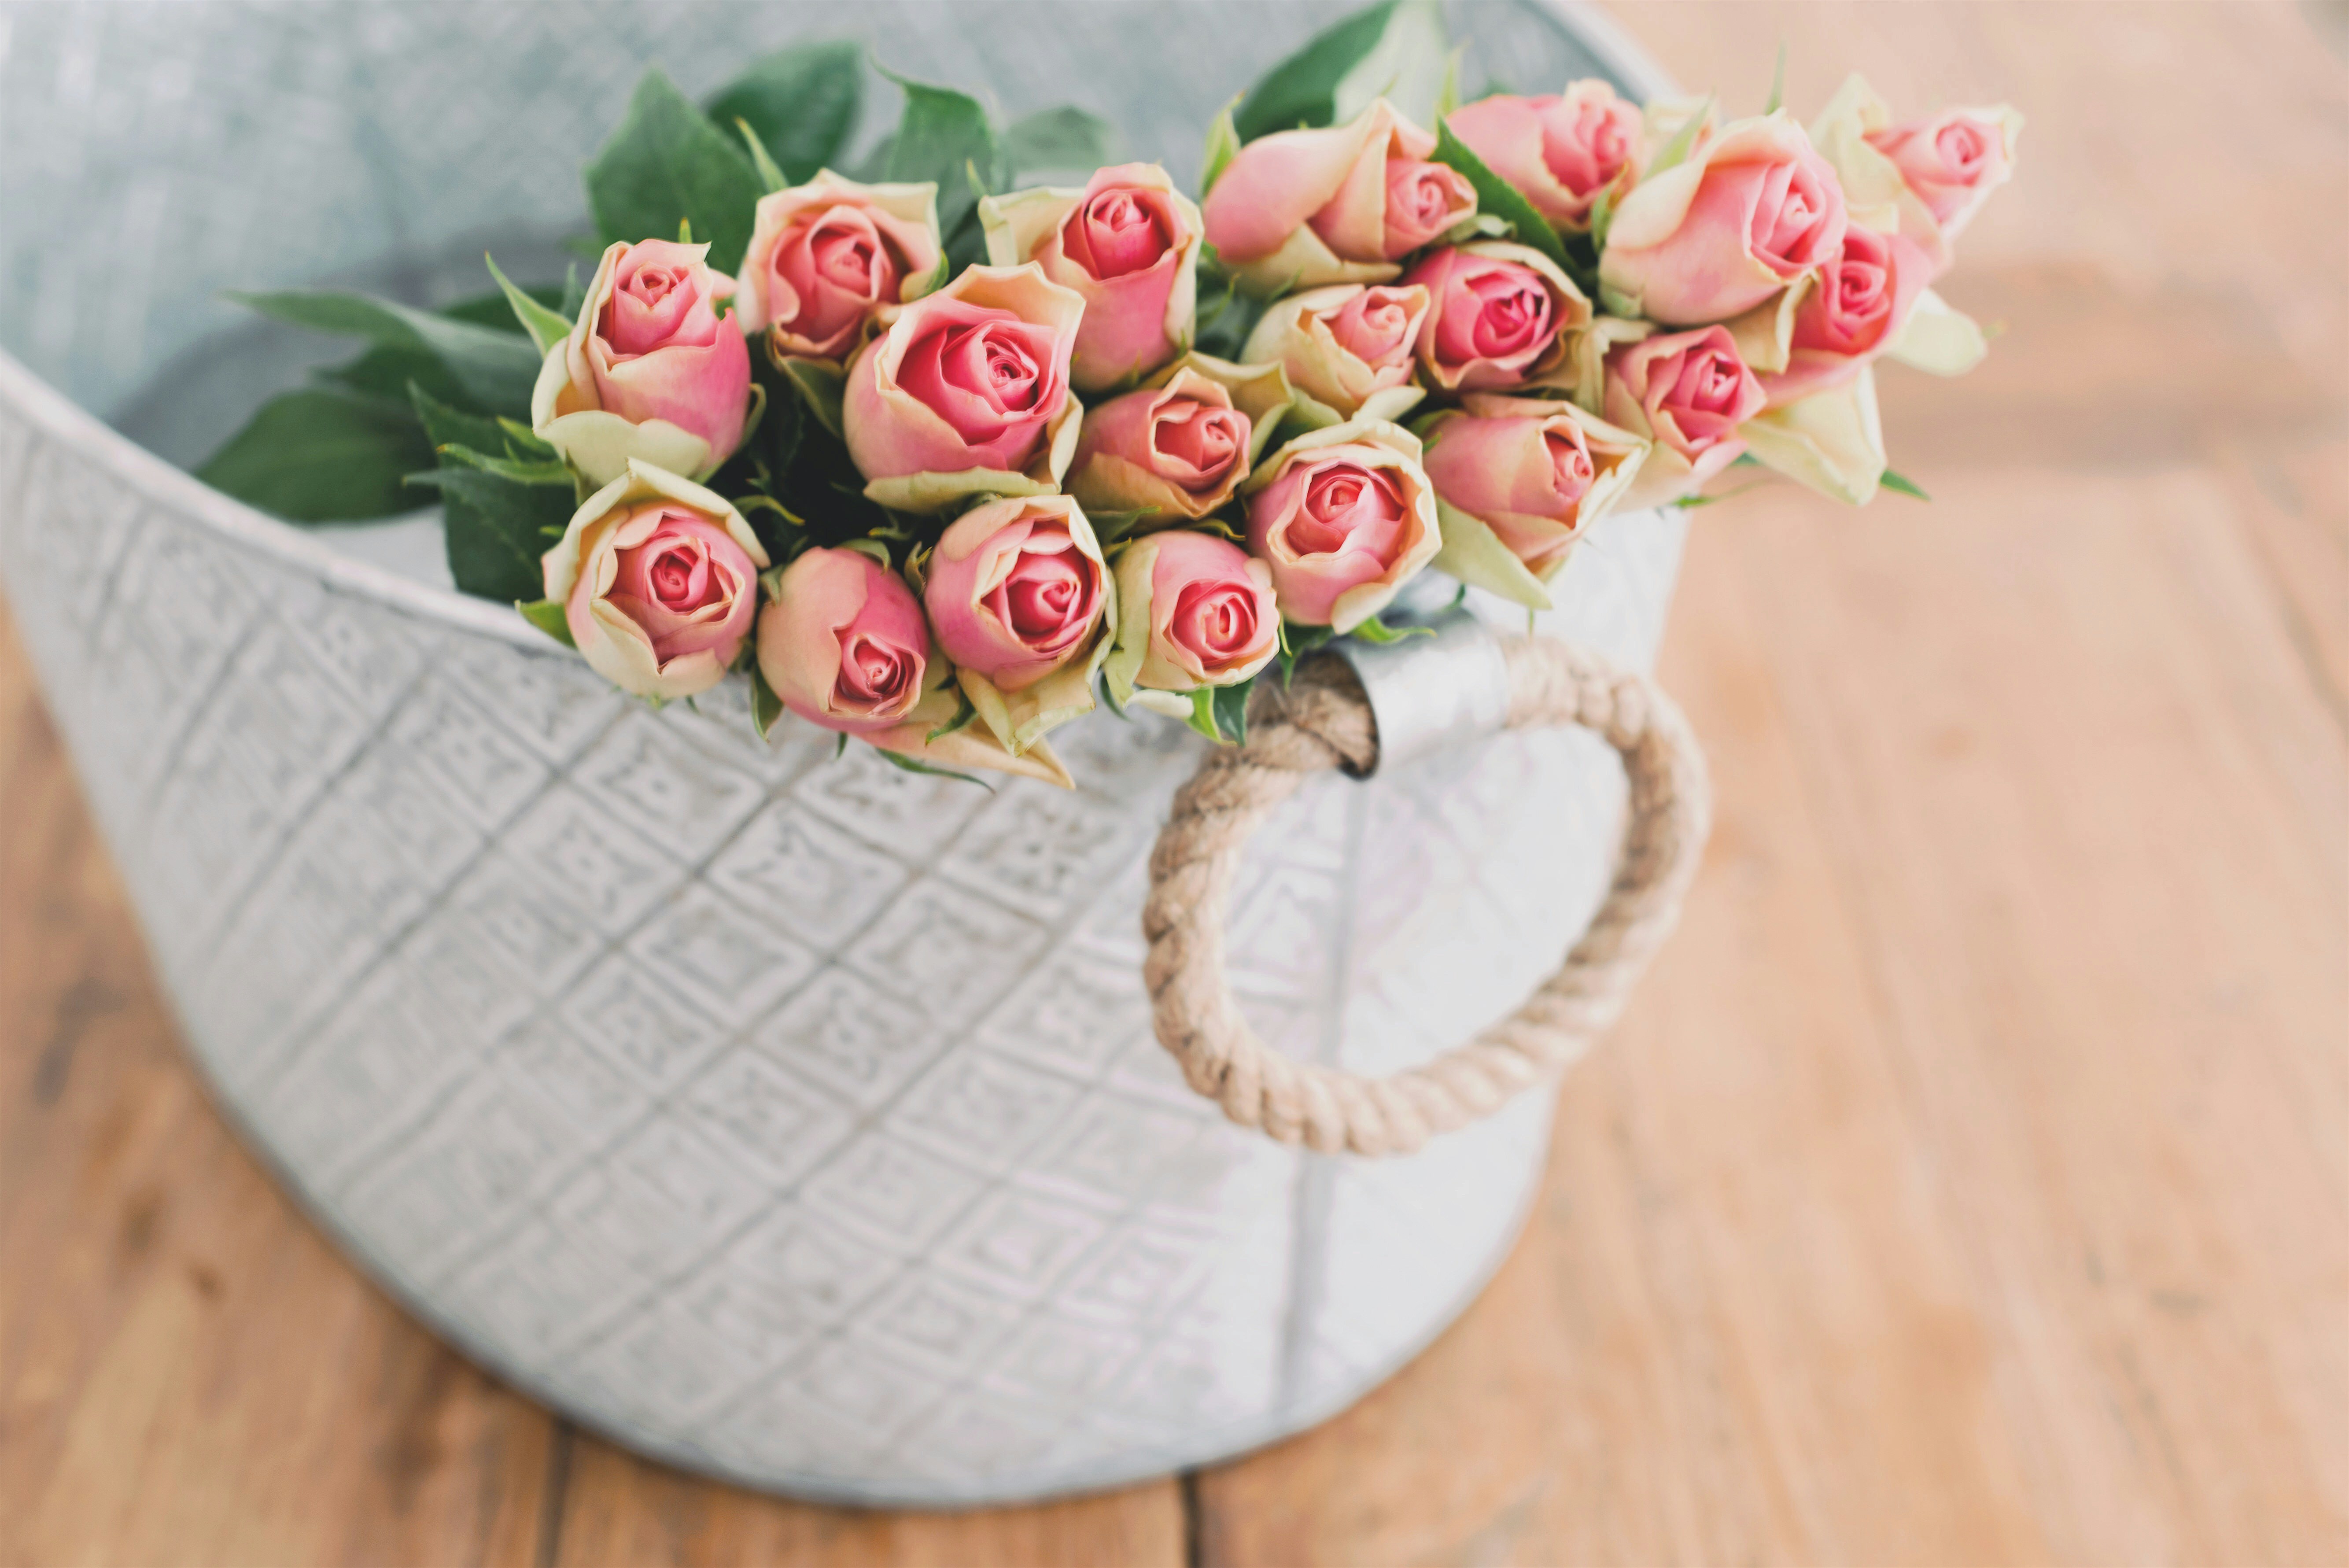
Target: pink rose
(827,256)
(973,376)
(1299,209)
(1172,452)
(657,579)
(649,370)
(1687,392)
(1499,314)
(1534,472)
(1953,161)
(1709,238)
(1344,517)
(1346,345)
(1560,152)
(1193,610)
(842,642)
(1852,314)
(1017,588)
(1129,244)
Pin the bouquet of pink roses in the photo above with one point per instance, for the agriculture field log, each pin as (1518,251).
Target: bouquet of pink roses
(940,455)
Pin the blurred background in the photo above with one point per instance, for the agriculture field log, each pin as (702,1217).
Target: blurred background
(1971,1180)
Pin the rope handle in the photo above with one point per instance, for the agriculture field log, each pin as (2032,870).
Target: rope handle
(1321,720)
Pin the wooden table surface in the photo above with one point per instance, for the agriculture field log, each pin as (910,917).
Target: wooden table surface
(1971,1181)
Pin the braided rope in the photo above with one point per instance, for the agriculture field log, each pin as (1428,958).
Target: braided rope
(1321,720)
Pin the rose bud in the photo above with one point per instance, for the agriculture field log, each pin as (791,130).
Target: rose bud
(1344,517)
(1129,244)
(1499,315)
(1194,610)
(657,579)
(1745,215)
(967,392)
(1857,309)
(1172,452)
(1935,174)
(1299,209)
(1559,152)
(828,256)
(1954,160)
(1687,392)
(842,642)
(649,370)
(1347,347)
(1020,599)
(1518,482)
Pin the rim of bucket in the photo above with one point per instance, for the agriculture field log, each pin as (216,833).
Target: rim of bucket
(76,428)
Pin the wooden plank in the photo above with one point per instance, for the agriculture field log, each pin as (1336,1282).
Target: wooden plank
(621,1509)
(188,1374)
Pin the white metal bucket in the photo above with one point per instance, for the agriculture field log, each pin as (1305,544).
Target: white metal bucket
(793,1119)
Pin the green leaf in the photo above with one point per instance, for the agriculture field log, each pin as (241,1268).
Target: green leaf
(1376,631)
(1231,709)
(666,165)
(492,311)
(322,457)
(1357,58)
(550,471)
(496,529)
(1901,483)
(1777,82)
(1499,197)
(1067,141)
(496,369)
(545,327)
(908,764)
(802,103)
(944,136)
(766,707)
(548,617)
(384,372)
(1296,642)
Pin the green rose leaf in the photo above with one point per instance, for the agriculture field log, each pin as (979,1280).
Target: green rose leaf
(497,527)
(944,136)
(667,165)
(908,764)
(494,369)
(317,456)
(384,372)
(802,103)
(1231,709)
(1067,141)
(1499,197)
(1341,70)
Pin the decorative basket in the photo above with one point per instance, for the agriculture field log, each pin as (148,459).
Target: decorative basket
(793,1120)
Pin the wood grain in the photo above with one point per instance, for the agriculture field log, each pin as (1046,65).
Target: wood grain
(1968,1184)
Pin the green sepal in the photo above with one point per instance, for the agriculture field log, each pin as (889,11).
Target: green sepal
(766,707)
(761,158)
(821,386)
(545,327)
(1231,709)
(553,473)
(1499,197)
(908,765)
(1901,483)
(1223,146)
(1376,631)
(1777,82)
(1675,151)
(964,711)
(548,617)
